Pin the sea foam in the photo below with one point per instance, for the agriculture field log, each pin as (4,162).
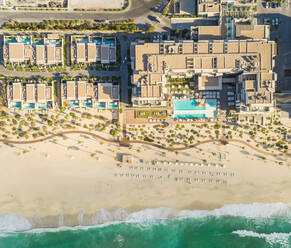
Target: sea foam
(15,223)
(11,222)
(271,238)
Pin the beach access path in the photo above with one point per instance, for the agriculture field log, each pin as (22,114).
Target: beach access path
(127,142)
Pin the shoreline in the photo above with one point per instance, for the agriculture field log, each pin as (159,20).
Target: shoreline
(71,182)
(104,217)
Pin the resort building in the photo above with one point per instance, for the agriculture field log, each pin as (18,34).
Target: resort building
(184,7)
(86,94)
(186,74)
(40,50)
(30,96)
(209,7)
(92,49)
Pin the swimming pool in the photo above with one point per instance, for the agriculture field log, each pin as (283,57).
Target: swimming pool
(100,105)
(26,41)
(109,42)
(12,41)
(30,106)
(45,106)
(98,41)
(39,43)
(191,108)
(87,104)
(187,105)
(74,104)
(110,105)
(16,105)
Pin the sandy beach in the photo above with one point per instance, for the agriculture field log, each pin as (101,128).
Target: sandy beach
(49,179)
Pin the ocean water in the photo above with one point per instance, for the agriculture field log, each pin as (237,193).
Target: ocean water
(252,226)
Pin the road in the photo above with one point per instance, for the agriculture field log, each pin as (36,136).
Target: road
(137,9)
(283,60)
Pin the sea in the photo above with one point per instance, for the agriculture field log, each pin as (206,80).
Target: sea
(254,225)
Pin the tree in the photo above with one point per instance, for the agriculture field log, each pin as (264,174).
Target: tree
(150,29)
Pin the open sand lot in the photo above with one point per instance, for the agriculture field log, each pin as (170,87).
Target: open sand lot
(96,4)
(49,180)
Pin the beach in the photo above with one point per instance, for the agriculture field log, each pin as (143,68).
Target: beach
(53,185)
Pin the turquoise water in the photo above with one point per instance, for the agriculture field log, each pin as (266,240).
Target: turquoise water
(189,109)
(30,106)
(46,106)
(109,42)
(17,105)
(39,43)
(72,104)
(87,104)
(190,116)
(112,105)
(184,105)
(206,232)
(25,41)
(98,41)
(12,41)
(101,105)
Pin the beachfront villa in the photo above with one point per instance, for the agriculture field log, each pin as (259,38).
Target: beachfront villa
(32,96)
(92,49)
(86,94)
(40,50)
(187,74)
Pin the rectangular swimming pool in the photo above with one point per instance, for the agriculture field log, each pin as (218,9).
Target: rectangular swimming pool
(87,104)
(74,104)
(187,105)
(45,106)
(100,105)
(191,108)
(30,106)
(17,105)
(110,105)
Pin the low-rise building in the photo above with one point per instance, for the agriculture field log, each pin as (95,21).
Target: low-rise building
(160,68)
(92,49)
(86,94)
(44,50)
(30,96)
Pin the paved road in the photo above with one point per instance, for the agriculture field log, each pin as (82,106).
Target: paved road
(282,35)
(138,8)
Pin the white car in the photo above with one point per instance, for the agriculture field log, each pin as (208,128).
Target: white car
(277,21)
(230,93)
(273,21)
(230,99)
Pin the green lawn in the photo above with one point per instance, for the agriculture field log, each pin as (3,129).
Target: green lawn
(151,113)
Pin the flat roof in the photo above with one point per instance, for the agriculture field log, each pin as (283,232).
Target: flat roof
(104,91)
(92,51)
(16,51)
(16,91)
(39,54)
(81,52)
(71,89)
(51,53)
(30,92)
(41,92)
(81,86)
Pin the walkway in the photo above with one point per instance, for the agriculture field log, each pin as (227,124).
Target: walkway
(172,149)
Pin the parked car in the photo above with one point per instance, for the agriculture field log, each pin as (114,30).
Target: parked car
(230,93)
(273,21)
(230,99)
(231,104)
(276,21)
